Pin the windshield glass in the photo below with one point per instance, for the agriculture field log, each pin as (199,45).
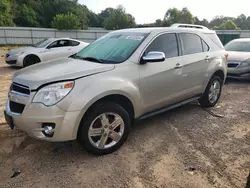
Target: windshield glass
(239,46)
(43,43)
(113,48)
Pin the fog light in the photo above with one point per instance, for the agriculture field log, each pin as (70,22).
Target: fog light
(48,129)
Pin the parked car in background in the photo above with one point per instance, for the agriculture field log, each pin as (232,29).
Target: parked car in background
(47,49)
(238,58)
(95,95)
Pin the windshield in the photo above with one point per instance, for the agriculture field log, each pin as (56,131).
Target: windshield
(43,43)
(240,46)
(113,48)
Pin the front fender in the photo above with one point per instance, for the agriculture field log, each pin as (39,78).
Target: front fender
(87,91)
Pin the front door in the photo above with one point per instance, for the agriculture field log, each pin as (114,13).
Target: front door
(57,49)
(160,82)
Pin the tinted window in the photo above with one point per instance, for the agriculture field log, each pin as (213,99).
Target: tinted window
(166,43)
(205,46)
(74,43)
(63,43)
(215,39)
(191,43)
(240,46)
(53,44)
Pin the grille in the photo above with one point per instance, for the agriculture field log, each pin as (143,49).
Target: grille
(20,88)
(11,62)
(232,65)
(16,107)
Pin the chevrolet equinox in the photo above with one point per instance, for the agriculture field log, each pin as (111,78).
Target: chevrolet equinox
(94,96)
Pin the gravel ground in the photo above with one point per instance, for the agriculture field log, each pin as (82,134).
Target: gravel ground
(185,148)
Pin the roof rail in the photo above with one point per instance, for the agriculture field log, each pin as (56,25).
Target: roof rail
(188,26)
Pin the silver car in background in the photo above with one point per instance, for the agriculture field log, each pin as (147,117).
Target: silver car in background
(47,49)
(238,58)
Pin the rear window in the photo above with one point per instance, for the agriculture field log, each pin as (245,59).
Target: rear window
(215,39)
(74,43)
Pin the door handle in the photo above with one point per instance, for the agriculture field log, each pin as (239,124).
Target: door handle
(207,58)
(178,66)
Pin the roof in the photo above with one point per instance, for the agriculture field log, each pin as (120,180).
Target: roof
(242,39)
(162,29)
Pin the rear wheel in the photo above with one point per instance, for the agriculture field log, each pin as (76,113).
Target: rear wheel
(30,60)
(105,129)
(212,92)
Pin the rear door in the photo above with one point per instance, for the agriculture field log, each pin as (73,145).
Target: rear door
(160,82)
(196,61)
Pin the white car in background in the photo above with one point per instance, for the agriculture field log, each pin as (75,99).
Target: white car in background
(47,49)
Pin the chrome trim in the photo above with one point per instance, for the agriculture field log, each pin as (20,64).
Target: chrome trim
(18,93)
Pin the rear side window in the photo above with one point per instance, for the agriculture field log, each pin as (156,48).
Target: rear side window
(74,43)
(215,39)
(205,46)
(191,43)
(166,43)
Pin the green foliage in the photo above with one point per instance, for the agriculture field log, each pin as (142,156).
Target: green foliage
(66,21)
(42,13)
(26,16)
(6,16)
(227,25)
(119,19)
(174,15)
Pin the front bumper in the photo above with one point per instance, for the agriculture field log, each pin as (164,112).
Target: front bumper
(239,73)
(14,60)
(35,115)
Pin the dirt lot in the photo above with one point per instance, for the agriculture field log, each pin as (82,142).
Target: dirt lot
(187,147)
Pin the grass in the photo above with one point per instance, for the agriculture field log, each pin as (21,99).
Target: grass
(9,47)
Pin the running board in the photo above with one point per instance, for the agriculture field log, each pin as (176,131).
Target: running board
(162,110)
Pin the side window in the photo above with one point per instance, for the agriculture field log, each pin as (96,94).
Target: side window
(191,43)
(74,43)
(204,46)
(53,45)
(63,43)
(166,43)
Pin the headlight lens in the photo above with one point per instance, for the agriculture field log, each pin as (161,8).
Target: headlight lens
(244,64)
(52,94)
(19,53)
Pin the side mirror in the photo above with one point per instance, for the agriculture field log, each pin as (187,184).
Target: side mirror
(153,57)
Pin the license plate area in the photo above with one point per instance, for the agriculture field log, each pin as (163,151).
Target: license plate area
(9,120)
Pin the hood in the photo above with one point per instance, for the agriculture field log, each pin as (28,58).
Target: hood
(58,70)
(23,49)
(238,56)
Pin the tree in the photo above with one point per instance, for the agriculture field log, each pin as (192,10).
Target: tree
(227,25)
(158,23)
(203,22)
(105,14)
(173,15)
(66,21)
(119,19)
(6,16)
(25,16)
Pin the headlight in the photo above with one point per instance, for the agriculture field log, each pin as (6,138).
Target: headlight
(244,64)
(18,53)
(52,94)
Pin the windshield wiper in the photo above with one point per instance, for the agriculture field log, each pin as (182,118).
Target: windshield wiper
(90,59)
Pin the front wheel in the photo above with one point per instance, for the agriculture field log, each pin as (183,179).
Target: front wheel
(105,129)
(212,92)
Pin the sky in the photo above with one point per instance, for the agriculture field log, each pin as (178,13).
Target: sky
(147,11)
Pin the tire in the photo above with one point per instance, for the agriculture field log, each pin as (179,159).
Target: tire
(206,100)
(30,60)
(96,120)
